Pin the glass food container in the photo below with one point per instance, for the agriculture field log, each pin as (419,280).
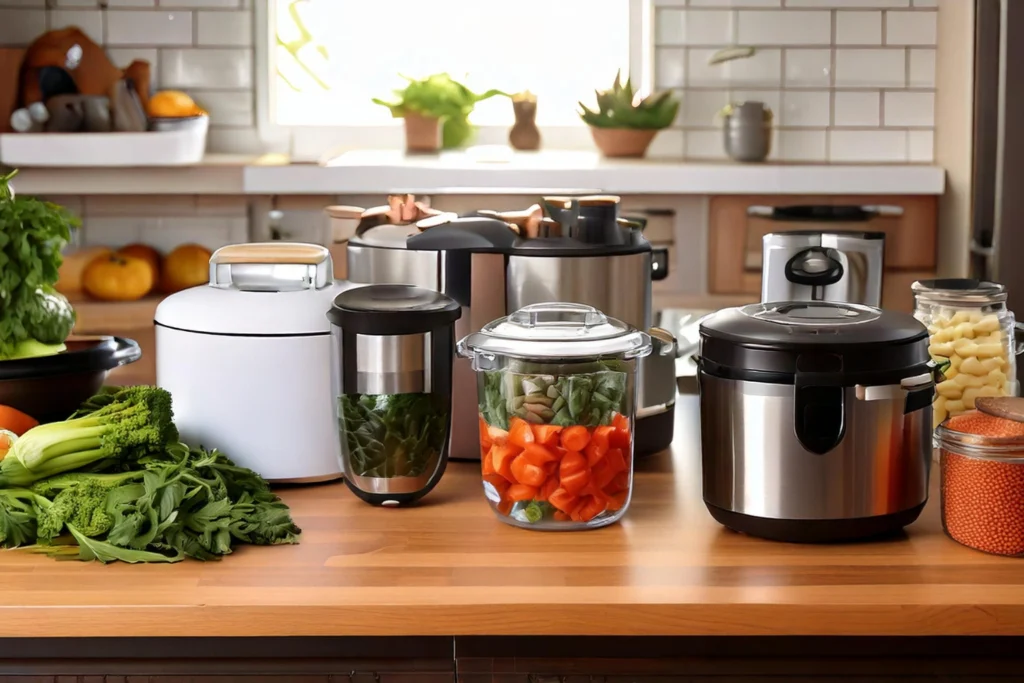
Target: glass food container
(972,341)
(556,386)
(392,382)
(982,463)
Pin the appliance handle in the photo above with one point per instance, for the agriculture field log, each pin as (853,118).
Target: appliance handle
(659,263)
(814,267)
(819,416)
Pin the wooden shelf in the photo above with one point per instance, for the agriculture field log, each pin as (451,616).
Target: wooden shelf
(111,317)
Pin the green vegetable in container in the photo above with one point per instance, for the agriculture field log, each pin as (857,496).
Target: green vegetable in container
(392,435)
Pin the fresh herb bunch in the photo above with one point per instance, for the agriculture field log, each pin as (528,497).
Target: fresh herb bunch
(162,506)
(33,316)
(587,395)
(441,97)
(619,107)
(393,435)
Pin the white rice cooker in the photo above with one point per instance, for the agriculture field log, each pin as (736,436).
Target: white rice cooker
(247,360)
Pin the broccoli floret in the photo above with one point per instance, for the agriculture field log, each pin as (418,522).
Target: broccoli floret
(137,422)
(81,502)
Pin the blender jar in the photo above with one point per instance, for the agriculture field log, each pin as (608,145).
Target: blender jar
(556,387)
(391,370)
(971,336)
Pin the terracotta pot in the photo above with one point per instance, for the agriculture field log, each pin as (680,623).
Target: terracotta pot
(422,133)
(622,142)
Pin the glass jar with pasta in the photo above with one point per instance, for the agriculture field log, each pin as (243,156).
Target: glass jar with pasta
(971,341)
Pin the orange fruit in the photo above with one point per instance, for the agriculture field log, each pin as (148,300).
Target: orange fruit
(172,104)
(186,266)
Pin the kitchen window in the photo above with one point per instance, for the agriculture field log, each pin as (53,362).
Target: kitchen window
(320,62)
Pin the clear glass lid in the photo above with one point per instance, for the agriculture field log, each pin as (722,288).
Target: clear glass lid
(557,331)
(959,291)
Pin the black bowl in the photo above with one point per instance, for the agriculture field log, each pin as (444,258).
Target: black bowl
(50,388)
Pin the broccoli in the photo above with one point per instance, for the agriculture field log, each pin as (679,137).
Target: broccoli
(80,501)
(136,422)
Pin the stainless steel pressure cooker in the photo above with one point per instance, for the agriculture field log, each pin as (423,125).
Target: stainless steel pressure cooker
(815,419)
(582,252)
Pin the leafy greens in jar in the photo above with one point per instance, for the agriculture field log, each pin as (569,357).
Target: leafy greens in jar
(392,435)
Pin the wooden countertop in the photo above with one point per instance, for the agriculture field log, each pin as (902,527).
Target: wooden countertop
(448,567)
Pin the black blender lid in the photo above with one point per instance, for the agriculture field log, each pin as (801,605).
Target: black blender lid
(850,343)
(392,309)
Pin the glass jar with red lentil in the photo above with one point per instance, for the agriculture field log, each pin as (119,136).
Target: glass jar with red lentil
(982,490)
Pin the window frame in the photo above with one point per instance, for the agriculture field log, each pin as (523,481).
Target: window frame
(316,143)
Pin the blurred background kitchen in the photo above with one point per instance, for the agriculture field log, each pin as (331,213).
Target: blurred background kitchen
(185,125)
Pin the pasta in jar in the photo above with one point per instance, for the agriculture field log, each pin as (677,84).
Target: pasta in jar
(971,341)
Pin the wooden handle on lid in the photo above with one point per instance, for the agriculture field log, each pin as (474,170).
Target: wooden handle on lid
(271,252)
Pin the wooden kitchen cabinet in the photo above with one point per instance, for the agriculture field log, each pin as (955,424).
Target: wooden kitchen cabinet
(734,240)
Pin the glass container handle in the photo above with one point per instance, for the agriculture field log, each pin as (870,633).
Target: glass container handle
(536,314)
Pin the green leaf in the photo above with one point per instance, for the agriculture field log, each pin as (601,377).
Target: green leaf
(102,551)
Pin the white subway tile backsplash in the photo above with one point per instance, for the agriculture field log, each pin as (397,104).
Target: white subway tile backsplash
(227,107)
(670,27)
(206,68)
(200,3)
(21,26)
(25,3)
(77,3)
(705,144)
(858,28)
(910,28)
(700,107)
(670,67)
(875,68)
(909,109)
(696,27)
(808,68)
(234,141)
(224,28)
(872,4)
(857,108)
(806,108)
(926,3)
(873,145)
(922,68)
(784,28)
(735,3)
(89,20)
(131,3)
(801,145)
(667,144)
(922,143)
(123,56)
(763,69)
(149,28)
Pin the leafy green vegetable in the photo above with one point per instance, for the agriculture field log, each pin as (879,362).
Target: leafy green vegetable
(392,435)
(32,234)
(136,422)
(618,107)
(590,396)
(30,348)
(442,97)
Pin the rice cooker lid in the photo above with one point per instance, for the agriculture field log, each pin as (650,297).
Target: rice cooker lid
(271,289)
(827,343)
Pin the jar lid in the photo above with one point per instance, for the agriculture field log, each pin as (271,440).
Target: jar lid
(557,331)
(959,291)
(392,309)
(838,344)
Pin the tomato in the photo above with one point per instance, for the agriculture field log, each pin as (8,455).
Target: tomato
(539,455)
(575,438)
(527,473)
(563,500)
(616,460)
(522,492)
(546,435)
(520,433)
(574,483)
(572,462)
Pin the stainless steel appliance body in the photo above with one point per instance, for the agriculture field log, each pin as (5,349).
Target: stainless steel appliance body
(823,266)
(815,420)
(496,273)
(391,371)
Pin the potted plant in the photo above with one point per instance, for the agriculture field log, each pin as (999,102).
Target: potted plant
(625,124)
(436,111)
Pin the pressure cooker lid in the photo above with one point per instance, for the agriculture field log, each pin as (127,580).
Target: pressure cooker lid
(838,343)
(557,331)
(392,309)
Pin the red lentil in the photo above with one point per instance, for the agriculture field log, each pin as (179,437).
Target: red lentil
(983,493)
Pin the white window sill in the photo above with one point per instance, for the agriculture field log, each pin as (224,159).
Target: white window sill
(482,172)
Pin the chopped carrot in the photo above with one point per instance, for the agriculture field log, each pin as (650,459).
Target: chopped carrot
(522,492)
(602,474)
(487,462)
(598,445)
(561,516)
(546,435)
(621,437)
(617,501)
(575,438)
(505,506)
(527,473)
(497,435)
(502,457)
(549,487)
(498,482)
(539,455)
(520,433)
(616,460)
(592,507)
(13,420)
(485,436)
(575,482)
(572,462)
(620,422)
(619,483)
(551,468)
(563,500)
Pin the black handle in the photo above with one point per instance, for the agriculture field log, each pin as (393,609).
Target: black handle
(918,398)
(659,263)
(819,417)
(815,267)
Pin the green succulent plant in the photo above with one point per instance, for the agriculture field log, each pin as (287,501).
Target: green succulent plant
(618,107)
(442,97)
